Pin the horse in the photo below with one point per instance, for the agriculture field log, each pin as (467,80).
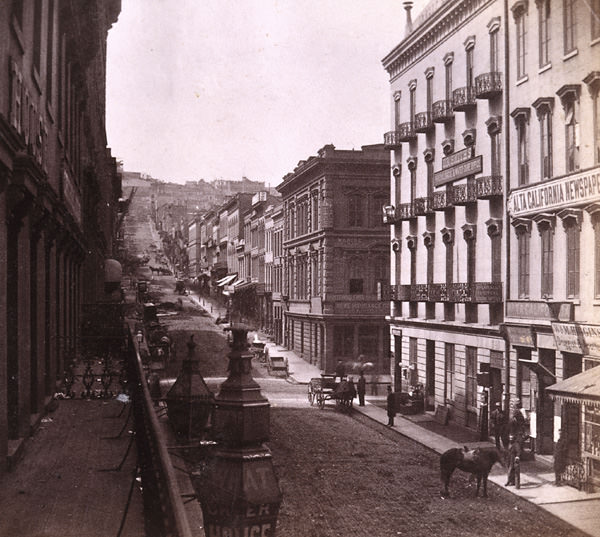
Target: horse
(478,462)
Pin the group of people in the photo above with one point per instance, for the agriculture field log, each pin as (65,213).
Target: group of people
(510,434)
(359,389)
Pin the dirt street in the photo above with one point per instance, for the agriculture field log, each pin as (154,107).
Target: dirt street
(343,476)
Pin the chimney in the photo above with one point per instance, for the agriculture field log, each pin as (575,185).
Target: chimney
(409,27)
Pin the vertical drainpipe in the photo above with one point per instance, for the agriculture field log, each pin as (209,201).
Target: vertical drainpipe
(506,190)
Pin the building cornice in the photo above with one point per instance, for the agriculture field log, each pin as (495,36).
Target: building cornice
(430,31)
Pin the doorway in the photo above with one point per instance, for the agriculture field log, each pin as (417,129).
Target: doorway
(430,374)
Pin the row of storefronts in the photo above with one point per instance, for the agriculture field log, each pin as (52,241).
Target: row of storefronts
(495,189)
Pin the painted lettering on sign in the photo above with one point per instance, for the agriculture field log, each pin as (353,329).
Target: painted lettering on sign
(460,156)
(579,188)
(258,530)
(464,169)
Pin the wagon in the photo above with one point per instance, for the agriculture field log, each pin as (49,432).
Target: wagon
(277,365)
(326,388)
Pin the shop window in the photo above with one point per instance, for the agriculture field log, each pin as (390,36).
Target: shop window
(367,340)
(344,340)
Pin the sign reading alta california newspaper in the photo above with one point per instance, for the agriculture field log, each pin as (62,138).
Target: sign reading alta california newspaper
(569,191)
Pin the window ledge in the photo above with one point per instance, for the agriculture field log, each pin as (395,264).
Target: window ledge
(595,41)
(522,80)
(569,55)
(545,68)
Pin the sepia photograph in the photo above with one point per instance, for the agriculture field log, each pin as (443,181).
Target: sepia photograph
(300,268)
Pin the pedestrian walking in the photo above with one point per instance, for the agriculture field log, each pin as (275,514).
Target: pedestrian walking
(361,388)
(499,426)
(391,406)
(518,424)
(514,456)
(340,370)
(560,458)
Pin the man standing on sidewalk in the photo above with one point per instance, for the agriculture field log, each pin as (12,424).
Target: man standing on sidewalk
(391,406)
(361,389)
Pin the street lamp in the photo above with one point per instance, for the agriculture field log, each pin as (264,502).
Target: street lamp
(239,491)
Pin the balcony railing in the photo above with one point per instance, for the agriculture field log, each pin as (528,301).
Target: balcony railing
(423,122)
(166,514)
(463,293)
(442,111)
(441,201)
(406,131)
(405,211)
(463,98)
(489,187)
(488,85)
(463,194)
(422,206)
(391,140)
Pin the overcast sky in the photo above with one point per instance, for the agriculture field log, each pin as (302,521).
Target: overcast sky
(224,89)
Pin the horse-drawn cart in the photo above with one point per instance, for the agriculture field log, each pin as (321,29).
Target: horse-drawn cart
(326,388)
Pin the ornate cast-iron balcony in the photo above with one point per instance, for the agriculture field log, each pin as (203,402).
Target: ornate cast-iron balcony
(488,85)
(423,122)
(391,140)
(463,293)
(405,211)
(463,194)
(406,131)
(442,112)
(489,187)
(441,200)
(463,98)
(422,206)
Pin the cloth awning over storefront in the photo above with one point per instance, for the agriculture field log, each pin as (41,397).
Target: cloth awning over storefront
(243,284)
(581,388)
(225,280)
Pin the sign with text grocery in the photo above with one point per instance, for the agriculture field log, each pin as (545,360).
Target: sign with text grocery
(579,188)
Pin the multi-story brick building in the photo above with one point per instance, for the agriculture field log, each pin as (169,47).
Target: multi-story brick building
(274,270)
(446,211)
(336,255)
(59,197)
(552,283)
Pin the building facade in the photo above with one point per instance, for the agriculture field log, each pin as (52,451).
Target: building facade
(446,211)
(336,257)
(59,198)
(552,318)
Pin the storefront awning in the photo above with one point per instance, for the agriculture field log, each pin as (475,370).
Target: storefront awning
(243,284)
(225,280)
(581,388)
(544,374)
